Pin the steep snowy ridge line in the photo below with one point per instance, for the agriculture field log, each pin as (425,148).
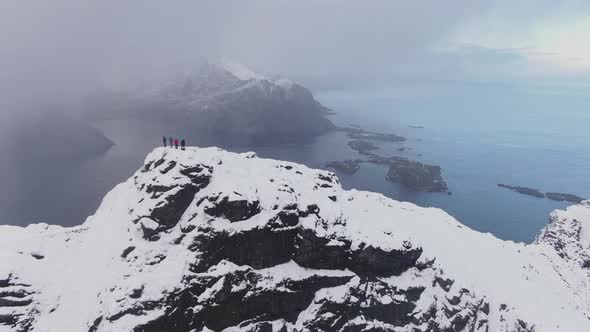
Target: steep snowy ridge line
(206,239)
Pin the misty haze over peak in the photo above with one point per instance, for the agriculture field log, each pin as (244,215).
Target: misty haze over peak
(65,48)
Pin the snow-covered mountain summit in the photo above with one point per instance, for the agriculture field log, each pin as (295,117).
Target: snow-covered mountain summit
(205,239)
(240,71)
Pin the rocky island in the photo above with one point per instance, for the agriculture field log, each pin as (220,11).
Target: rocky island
(346,166)
(408,173)
(365,135)
(208,240)
(415,175)
(560,197)
(565,197)
(362,146)
(523,190)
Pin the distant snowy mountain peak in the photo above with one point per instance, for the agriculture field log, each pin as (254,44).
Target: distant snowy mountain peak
(225,100)
(240,71)
(244,73)
(208,240)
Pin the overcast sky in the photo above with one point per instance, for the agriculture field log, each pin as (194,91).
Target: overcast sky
(62,47)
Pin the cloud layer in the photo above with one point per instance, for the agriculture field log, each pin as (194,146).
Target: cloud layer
(67,47)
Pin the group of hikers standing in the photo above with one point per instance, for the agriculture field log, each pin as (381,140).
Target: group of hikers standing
(174,142)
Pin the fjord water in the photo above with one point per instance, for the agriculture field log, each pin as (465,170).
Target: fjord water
(480,135)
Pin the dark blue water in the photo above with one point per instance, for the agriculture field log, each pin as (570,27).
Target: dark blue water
(480,135)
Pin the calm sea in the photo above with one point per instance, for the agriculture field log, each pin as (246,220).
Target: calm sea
(480,135)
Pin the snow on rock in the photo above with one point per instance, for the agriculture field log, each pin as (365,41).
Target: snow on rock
(240,71)
(208,240)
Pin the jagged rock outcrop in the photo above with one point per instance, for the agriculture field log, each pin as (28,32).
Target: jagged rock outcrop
(16,303)
(204,239)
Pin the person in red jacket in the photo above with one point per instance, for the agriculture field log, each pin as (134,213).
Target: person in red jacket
(176,143)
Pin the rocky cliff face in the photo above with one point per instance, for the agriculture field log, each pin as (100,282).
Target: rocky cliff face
(207,240)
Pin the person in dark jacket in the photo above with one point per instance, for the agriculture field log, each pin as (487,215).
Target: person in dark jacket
(182,144)
(171,140)
(176,143)
(164,140)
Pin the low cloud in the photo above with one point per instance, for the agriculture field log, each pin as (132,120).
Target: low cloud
(63,49)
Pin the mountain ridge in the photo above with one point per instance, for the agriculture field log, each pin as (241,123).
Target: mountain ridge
(205,239)
(225,100)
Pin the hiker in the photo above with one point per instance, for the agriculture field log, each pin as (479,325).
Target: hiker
(176,143)
(182,144)
(164,140)
(170,140)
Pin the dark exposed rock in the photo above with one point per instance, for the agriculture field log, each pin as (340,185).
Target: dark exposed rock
(229,308)
(288,218)
(137,310)
(147,166)
(95,325)
(235,210)
(329,178)
(4,302)
(364,300)
(168,214)
(259,248)
(157,190)
(127,251)
(314,252)
(311,251)
(523,190)
(172,200)
(136,293)
(171,165)
(9,320)
(416,176)
(18,296)
(445,284)
(159,162)
(200,175)
(14,293)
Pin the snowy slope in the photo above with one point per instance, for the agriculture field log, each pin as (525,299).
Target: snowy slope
(240,71)
(206,239)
